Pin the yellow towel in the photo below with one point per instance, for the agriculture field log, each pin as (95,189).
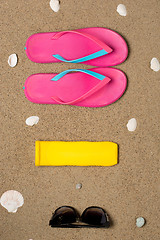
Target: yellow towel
(49,153)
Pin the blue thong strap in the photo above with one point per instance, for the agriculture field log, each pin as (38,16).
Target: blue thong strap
(83,59)
(94,74)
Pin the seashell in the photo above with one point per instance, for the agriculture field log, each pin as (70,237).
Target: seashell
(55,5)
(132,124)
(154,64)
(32,120)
(78,186)
(140,221)
(12,200)
(121,9)
(12,60)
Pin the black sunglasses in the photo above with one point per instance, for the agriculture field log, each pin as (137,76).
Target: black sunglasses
(68,217)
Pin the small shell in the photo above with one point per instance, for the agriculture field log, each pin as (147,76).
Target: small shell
(12,200)
(140,222)
(121,9)
(55,5)
(78,186)
(32,120)
(154,64)
(132,124)
(12,60)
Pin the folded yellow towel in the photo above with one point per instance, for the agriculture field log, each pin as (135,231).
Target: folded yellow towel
(50,153)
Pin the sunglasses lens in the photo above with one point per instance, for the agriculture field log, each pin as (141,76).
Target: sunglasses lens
(63,215)
(95,216)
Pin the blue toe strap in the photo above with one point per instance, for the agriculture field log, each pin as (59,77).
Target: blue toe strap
(83,59)
(94,74)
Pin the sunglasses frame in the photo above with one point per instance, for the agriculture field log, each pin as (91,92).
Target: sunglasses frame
(79,220)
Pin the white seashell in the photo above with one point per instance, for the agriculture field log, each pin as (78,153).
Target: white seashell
(12,200)
(32,120)
(132,124)
(121,9)
(78,186)
(140,222)
(155,65)
(12,60)
(55,5)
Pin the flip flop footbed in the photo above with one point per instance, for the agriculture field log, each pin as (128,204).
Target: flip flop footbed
(39,88)
(41,47)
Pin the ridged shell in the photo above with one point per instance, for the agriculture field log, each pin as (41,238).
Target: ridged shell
(140,222)
(12,60)
(12,200)
(155,65)
(132,124)
(121,9)
(55,5)
(32,120)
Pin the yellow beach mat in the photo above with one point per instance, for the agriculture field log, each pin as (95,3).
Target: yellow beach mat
(49,153)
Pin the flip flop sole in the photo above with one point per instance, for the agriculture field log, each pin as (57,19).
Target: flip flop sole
(39,88)
(41,47)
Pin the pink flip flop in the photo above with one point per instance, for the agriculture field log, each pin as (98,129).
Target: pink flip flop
(93,46)
(96,88)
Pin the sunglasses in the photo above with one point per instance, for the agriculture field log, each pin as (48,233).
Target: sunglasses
(68,217)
